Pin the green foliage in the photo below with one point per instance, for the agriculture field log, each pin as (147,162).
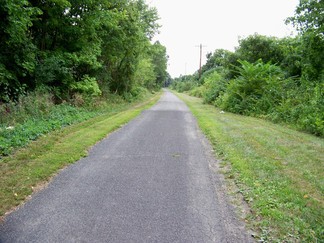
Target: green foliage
(37,104)
(197,91)
(125,43)
(256,91)
(309,16)
(88,86)
(33,115)
(36,114)
(223,61)
(302,106)
(151,68)
(293,56)
(312,58)
(38,46)
(257,47)
(159,60)
(17,52)
(277,79)
(214,85)
(55,70)
(186,85)
(309,21)
(60,115)
(144,74)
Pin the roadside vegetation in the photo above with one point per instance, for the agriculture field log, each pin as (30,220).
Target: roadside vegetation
(32,166)
(35,115)
(69,72)
(278,79)
(241,97)
(63,62)
(279,172)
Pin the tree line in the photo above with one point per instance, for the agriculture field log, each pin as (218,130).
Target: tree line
(280,79)
(79,47)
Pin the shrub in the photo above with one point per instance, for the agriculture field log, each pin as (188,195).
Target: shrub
(214,85)
(182,86)
(136,92)
(55,70)
(88,86)
(304,107)
(198,91)
(256,91)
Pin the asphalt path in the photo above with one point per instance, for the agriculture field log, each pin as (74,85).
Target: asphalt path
(150,181)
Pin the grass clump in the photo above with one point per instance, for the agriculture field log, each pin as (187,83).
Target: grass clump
(279,172)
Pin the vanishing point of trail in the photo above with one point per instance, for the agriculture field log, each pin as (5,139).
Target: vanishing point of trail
(150,181)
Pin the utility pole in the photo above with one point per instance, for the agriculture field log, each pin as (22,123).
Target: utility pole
(200,61)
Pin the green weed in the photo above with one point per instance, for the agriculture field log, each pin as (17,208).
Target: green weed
(36,114)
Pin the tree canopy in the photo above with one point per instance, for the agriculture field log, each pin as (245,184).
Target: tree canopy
(68,45)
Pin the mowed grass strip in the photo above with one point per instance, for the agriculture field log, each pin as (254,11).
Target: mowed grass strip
(30,167)
(279,171)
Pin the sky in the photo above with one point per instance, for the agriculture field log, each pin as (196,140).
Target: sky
(216,24)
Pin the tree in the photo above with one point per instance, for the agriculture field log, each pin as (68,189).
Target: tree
(74,45)
(221,60)
(309,20)
(124,43)
(159,60)
(309,16)
(63,58)
(17,52)
(144,74)
(255,47)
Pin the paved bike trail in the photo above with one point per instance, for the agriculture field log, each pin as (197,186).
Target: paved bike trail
(150,181)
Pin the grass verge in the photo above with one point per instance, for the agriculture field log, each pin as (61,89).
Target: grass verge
(279,172)
(28,168)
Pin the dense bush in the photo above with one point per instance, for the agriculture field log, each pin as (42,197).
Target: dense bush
(302,107)
(184,85)
(88,86)
(198,91)
(214,85)
(289,91)
(256,91)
